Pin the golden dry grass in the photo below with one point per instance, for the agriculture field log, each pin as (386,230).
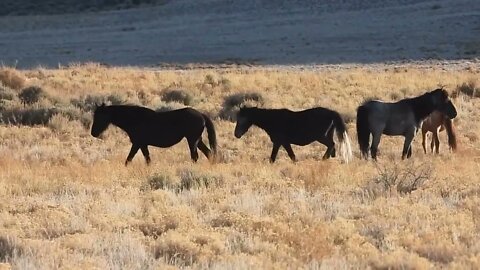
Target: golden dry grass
(67,201)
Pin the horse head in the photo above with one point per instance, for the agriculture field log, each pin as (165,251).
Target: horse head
(443,103)
(101,120)
(243,122)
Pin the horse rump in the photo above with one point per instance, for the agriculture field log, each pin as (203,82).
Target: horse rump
(363,130)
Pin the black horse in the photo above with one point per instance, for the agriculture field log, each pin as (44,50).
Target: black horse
(286,127)
(399,118)
(162,129)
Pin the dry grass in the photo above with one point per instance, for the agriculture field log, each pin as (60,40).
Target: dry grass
(67,201)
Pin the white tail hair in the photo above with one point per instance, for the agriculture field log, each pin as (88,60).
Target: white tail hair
(345,147)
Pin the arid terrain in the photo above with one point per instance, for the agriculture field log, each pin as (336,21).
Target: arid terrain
(67,200)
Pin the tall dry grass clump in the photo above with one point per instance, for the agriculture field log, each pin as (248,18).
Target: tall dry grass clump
(12,78)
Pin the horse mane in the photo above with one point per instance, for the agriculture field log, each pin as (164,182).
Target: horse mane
(422,105)
(369,99)
(126,116)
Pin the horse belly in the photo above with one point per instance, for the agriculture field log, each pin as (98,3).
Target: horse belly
(163,140)
(302,139)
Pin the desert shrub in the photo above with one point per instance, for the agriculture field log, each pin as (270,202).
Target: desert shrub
(31,95)
(62,122)
(177,250)
(232,103)
(192,180)
(402,179)
(76,114)
(7,94)
(179,96)
(12,78)
(469,89)
(210,80)
(89,102)
(226,84)
(115,99)
(58,122)
(27,117)
(159,181)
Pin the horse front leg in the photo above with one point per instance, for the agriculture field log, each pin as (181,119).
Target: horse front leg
(133,152)
(275,148)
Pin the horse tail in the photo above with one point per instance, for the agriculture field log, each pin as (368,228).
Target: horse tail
(363,131)
(341,130)
(452,136)
(212,135)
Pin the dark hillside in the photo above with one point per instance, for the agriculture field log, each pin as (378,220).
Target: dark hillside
(46,7)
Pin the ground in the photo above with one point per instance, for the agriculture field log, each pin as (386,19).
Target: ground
(68,201)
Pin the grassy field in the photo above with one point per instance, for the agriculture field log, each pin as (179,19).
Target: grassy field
(67,201)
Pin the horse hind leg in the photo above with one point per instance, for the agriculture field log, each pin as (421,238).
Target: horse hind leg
(424,141)
(146,154)
(204,149)
(437,142)
(193,144)
(330,144)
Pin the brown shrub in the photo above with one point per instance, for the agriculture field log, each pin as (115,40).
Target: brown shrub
(179,96)
(469,89)
(31,95)
(12,78)
(232,103)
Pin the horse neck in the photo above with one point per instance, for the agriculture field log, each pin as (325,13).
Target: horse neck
(422,106)
(126,118)
(261,118)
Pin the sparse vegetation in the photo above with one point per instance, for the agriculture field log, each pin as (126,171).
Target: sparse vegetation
(469,89)
(31,95)
(67,200)
(232,103)
(179,96)
(12,78)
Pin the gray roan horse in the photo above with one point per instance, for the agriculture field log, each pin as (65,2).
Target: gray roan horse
(286,127)
(399,118)
(162,129)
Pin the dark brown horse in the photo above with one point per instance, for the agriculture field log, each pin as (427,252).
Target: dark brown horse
(286,127)
(161,129)
(401,118)
(435,123)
